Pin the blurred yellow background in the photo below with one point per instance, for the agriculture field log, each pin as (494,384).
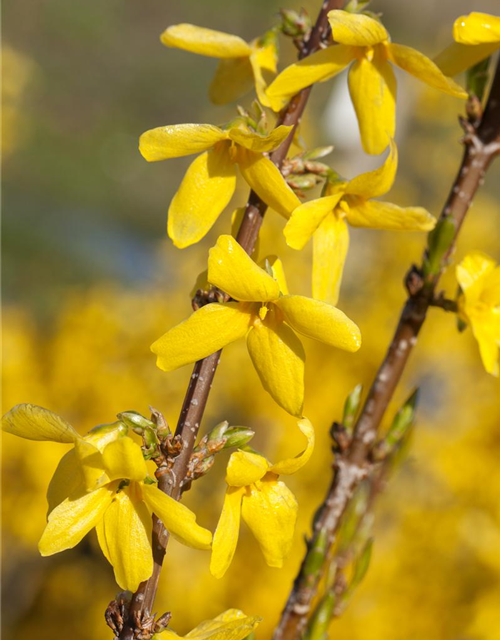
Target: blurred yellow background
(91,280)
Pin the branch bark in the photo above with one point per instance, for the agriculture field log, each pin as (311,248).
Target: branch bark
(482,145)
(141,606)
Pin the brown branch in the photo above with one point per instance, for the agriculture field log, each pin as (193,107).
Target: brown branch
(482,144)
(139,612)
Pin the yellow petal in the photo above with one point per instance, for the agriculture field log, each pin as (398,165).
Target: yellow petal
(227,532)
(459,57)
(206,42)
(318,67)
(245,467)
(307,218)
(373,86)
(330,246)
(473,269)
(356,29)
(375,183)
(69,522)
(491,289)
(385,215)
(486,329)
(278,357)
(233,624)
(271,512)
(205,192)
(477,28)
(231,269)
(257,142)
(36,423)
(292,465)
(177,518)
(264,177)
(124,535)
(206,331)
(278,273)
(424,69)
(67,479)
(263,61)
(91,464)
(123,459)
(320,321)
(177,140)
(233,79)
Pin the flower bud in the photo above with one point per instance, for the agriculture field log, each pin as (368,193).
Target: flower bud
(238,436)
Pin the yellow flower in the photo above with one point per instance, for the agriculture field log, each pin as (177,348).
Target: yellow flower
(372,83)
(349,202)
(210,181)
(103,487)
(241,65)
(479,304)
(267,315)
(233,624)
(476,36)
(269,508)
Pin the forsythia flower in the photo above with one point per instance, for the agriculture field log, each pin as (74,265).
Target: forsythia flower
(269,508)
(210,181)
(104,489)
(233,624)
(241,65)
(267,315)
(476,36)
(372,83)
(479,304)
(349,202)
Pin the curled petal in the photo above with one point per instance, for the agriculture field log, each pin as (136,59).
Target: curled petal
(233,624)
(205,191)
(292,465)
(231,269)
(459,57)
(477,28)
(278,273)
(330,246)
(234,77)
(318,67)
(356,29)
(67,479)
(36,423)
(375,183)
(69,522)
(123,459)
(472,274)
(424,69)
(271,512)
(486,329)
(177,140)
(264,177)
(91,464)
(372,86)
(320,321)
(124,535)
(385,215)
(177,518)
(278,357)
(257,142)
(205,42)
(306,219)
(206,331)
(263,61)
(227,532)
(245,467)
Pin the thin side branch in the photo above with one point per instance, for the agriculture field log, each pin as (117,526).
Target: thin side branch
(482,145)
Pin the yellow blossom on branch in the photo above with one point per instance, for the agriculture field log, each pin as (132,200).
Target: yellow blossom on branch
(241,65)
(477,36)
(326,218)
(233,624)
(266,504)
(267,315)
(210,181)
(372,83)
(106,489)
(479,304)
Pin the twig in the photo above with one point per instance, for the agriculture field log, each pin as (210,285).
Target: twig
(141,606)
(482,145)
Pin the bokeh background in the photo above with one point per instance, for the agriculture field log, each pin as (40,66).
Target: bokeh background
(91,280)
